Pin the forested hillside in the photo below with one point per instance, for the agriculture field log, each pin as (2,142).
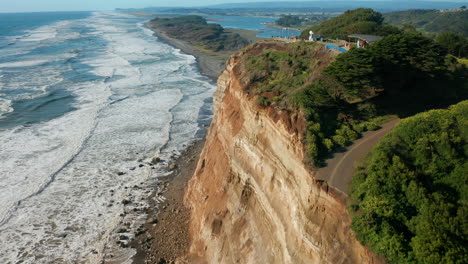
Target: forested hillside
(358,21)
(411,192)
(431,21)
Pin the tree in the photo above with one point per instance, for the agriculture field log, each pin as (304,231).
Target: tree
(356,71)
(411,192)
(455,44)
(338,27)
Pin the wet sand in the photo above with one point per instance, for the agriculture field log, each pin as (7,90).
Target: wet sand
(210,64)
(164,237)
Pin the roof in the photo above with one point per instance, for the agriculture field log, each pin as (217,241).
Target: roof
(368,38)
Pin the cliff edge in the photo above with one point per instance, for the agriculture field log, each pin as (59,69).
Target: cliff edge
(253,199)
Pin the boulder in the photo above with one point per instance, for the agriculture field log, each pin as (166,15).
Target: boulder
(172,166)
(155,160)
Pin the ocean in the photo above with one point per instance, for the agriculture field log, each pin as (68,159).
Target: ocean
(87,99)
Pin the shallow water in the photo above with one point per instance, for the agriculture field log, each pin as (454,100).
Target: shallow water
(85,98)
(254,23)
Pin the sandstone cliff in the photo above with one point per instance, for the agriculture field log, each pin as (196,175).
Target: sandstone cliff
(252,198)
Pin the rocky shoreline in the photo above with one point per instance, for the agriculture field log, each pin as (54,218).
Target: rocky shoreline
(164,236)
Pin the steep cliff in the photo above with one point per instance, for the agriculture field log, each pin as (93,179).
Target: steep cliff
(253,199)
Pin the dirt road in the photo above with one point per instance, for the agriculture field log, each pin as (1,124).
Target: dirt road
(340,168)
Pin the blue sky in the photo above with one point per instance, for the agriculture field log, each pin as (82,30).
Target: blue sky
(72,5)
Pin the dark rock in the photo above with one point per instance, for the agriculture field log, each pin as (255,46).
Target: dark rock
(155,160)
(140,232)
(120,173)
(123,237)
(124,245)
(126,202)
(132,168)
(122,230)
(162,261)
(141,165)
(152,221)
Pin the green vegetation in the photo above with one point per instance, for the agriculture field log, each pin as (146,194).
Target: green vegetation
(401,74)
(431,21)
(358,21)
(197,31)
(456,44)
(411,192)
(289,21)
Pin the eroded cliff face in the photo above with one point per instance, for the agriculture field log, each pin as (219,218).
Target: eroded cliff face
(252,198)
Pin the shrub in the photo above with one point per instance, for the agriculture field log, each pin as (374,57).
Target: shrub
(263,101)
(410,195)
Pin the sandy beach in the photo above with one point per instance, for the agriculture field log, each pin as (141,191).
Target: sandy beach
(164,237)
(210,64)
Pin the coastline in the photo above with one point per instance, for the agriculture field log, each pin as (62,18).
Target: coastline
(210,65)
(164,236)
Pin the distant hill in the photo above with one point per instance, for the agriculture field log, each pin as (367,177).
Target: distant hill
(325,6)
(358,21)
(345,5)
(431,21)
(198,32)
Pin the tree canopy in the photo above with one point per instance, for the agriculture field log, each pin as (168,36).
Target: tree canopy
(411,193)
(431,21)
(358,21)
(456,44)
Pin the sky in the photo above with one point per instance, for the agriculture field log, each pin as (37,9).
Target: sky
(7,6)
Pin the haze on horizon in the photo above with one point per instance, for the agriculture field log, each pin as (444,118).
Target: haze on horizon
(7,6)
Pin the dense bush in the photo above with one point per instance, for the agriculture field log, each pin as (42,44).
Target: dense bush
(408,64)
(411,193)
(455,44)
(358,21)
(431,21)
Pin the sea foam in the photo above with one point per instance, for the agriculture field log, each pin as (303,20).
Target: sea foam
(62,182)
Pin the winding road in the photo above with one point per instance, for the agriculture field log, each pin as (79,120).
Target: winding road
(340,168)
